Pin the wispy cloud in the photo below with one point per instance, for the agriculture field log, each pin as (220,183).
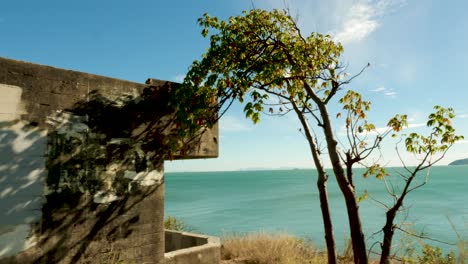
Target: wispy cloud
(178,78)
(363,18)
(411,125)
(381,130)
(232,124)
(463,116)
(359,24)
(415,125)
(346,21)
(387,92)
(379,89)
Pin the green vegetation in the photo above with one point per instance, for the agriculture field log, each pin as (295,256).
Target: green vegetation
(434,255)
(173,223)
(262,59)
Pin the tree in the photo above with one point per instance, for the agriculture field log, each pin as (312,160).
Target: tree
(262,59)
(430,149)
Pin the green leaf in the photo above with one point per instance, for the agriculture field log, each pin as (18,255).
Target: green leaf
(363,196)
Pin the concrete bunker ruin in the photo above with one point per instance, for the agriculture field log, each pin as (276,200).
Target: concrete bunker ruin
(82,165)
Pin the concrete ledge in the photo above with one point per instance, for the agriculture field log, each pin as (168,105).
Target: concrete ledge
(44,90)
(190,248)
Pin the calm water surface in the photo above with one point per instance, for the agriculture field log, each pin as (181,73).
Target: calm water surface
(220,203)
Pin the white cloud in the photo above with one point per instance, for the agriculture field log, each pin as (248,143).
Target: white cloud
(387,92)
(346,21)
(376,131)
(379,89)
(462,116)
(381,130)
(178,78)
(359,24)
(415,125)
(462,142)
(363,18)
(232,124)
(415,116)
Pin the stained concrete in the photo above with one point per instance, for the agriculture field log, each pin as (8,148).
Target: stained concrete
(81,170)
(22,173)
(191,248)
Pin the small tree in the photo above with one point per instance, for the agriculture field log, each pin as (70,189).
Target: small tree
(262,58)
(429,149)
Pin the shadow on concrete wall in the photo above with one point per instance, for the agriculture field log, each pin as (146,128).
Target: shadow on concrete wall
(104,191)
(22,160)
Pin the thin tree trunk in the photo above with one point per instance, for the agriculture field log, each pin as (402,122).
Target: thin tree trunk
(389,228)
(357,236)
(322,187)
(326,216)
(388,231)
(355,226)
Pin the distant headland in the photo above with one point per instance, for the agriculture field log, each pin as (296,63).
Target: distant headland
(459,162)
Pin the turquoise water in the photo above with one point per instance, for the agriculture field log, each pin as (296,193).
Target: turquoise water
(220,203)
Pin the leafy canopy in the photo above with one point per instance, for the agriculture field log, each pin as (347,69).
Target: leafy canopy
(261,54)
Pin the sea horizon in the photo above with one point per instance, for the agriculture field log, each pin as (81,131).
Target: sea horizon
(245,201)
(299,168)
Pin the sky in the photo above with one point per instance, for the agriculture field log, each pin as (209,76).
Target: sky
(416,48)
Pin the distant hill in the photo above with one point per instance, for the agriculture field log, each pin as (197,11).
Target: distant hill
(459,162)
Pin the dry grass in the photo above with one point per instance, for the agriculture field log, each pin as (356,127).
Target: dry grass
(264,248)
(281,248)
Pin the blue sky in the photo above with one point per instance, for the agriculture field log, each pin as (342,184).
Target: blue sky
(417,49)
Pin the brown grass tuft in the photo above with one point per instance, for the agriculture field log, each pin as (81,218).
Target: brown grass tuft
(264,248)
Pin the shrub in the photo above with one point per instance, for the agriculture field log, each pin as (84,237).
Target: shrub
(432,255)
(173,223)
(263,248)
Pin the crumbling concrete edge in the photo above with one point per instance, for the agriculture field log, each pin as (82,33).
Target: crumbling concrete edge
(208,253)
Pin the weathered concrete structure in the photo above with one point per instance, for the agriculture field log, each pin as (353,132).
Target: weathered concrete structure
(189,248)
(81,166)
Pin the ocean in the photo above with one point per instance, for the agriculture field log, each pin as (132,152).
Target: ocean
(223,203)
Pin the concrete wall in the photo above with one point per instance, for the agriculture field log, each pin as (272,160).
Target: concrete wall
(22,171)
(175,240)
(81,170)
(190,248)
(45,90)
